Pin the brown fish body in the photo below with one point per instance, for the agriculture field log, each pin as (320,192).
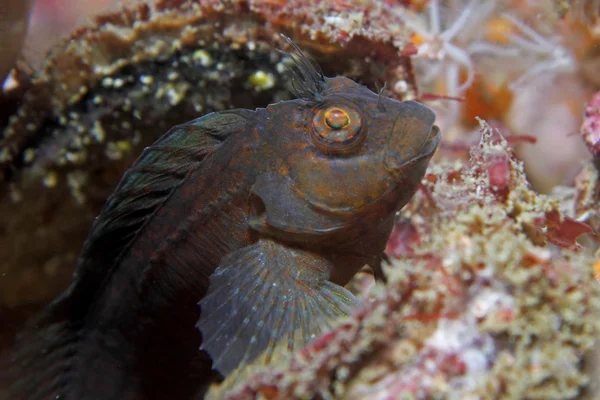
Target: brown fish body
(259,215)
(160,280)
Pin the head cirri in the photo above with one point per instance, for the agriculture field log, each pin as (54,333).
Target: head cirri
(345,154)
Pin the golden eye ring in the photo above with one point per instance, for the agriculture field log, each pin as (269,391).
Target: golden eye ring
(336,118)
(337,129)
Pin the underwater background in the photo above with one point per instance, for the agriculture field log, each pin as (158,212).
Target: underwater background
(492,286)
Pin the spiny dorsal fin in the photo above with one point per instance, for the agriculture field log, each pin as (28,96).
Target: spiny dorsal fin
(146,186)
(44,362)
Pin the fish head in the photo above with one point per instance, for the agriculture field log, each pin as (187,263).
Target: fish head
(341,155)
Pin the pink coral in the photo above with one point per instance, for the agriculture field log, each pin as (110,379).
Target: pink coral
(591,126)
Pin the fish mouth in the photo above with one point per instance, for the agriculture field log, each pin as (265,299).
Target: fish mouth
(414,137)
(429,146)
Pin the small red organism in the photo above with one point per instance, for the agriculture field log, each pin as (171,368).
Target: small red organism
(409,50)
(505,316)
(320,343)
(590,129)
(453,365)
(430,317)
(401,241)
(516,139)
(427,194)
(499,174)
(433,97)
(465,146)
(565,232)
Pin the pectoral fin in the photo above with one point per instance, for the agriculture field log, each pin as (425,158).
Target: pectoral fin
(266,294)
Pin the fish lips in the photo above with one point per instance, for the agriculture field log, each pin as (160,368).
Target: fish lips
(414,138)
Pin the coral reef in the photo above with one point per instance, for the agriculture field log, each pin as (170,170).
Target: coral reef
(492,288)
(478,304)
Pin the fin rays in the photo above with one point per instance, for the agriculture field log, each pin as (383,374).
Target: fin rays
(265,296)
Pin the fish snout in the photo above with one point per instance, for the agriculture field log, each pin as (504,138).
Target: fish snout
(414,137)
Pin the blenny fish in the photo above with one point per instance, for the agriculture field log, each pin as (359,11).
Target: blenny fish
(230,235)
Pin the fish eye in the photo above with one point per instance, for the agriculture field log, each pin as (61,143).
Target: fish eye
(337,129)
(336,118)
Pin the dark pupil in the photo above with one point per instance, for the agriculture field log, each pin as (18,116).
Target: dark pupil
(336,118)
